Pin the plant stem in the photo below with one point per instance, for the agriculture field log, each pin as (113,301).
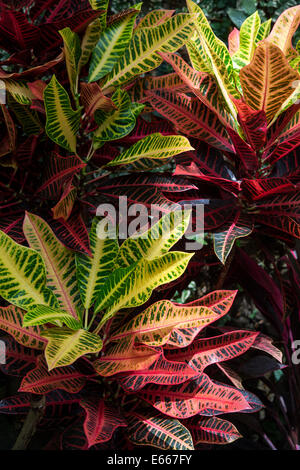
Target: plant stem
(86,316)
(30,425)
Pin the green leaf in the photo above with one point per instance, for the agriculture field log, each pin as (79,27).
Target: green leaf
(72,51)
(23,275)
(218,57)
(157,241)
(62,121)
(236,16)
(90,38)
(41,314)
(141,55)
(99,4)
(248,35)
(59,261)
(117,123)
(111,46)
(19,91)
(154,146)
(92,271)
(263,31)
(133,286)
(65,346)
(150,428)
(28,119)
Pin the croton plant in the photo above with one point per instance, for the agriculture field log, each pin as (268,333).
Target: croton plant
(93,330)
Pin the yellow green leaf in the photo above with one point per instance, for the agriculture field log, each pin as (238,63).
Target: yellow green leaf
(62,122)
(23,275)
(59,261)
(141,55)
(65,346)
(154,146)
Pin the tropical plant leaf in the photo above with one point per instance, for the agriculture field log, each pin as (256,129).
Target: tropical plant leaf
(234,41)
(18,359)
(157,241)
(116,124)
(253,123)
(224,241)
(92,271)
(41,314)
(89,41)
(111,45)
(264,31)
(101,420)
(28,119)
(197,55)
(59,262)
(193,397)
(133,285)
(284,29)
(22,275)
(218,301)
(263,70)
(212,430)
(9,142)
(125,356)
(16,31)
(161,372)
(248,35)
(72,52)
(218,56)
(93,99)
(99,4)
(203,86)
(20,91)
(58,173)
(62,121)
(65,346)
(72,232)
(152,429)
(153,18)
(63,208)
(154,146)
(204,352)
(11,321)
(155,324)
(141,54)
(41,381)
(245,152)
(191,117)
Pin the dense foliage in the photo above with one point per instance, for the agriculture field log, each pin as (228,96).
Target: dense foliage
(149,104)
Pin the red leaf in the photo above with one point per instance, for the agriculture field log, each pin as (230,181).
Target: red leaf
(244,152)
(207,351)
(193,397)
(40,380)
(101,420)
(59,171)
(72,232)
(16,32)
(161,372)
(254,124)
(212,430)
